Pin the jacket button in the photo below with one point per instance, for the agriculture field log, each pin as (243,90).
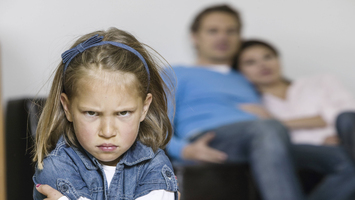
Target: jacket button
(64,188)
(168,174)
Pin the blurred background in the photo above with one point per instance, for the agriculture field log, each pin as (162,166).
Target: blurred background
(313,36)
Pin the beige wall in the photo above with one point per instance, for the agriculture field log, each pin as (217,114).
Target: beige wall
(313,36)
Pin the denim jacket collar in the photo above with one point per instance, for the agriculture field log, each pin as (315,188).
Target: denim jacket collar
(136,154)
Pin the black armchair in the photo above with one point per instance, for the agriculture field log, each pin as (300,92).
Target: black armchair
(20,129)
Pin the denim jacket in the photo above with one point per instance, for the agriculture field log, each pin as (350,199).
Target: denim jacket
(75,172)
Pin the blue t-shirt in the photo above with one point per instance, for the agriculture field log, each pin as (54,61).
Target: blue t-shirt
(74,172)
(205,100)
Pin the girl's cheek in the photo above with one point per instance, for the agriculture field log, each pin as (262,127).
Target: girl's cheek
(87,128)
(132,131)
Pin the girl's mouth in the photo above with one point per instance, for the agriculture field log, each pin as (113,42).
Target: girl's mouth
(107,147)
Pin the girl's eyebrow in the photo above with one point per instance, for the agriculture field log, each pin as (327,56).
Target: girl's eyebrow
(93,108)
(127,108)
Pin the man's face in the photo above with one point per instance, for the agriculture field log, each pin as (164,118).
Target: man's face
(218,39)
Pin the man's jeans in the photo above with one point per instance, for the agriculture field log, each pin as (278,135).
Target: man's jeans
(265,145)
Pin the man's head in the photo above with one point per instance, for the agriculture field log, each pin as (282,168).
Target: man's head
(216,34)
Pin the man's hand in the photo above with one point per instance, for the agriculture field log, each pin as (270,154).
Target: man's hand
(200,151)
(48,191)
(256,109)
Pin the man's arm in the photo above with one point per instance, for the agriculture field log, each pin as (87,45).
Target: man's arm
(180,148)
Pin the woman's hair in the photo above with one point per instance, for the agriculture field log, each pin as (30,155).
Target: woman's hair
(155,131)
(251,43)
(196,23)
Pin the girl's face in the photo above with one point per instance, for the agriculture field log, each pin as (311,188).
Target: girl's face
(260,65)
(106,112)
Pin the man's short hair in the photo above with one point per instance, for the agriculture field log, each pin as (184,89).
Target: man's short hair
(195,26)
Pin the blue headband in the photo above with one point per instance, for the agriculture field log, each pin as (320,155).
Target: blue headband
(94,41)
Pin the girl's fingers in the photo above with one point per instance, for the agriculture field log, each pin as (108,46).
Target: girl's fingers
(48,191)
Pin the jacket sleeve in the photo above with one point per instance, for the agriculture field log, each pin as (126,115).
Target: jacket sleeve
(157,174)
(62,175)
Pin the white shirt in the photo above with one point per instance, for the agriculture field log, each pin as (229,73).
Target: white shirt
(153,195)
(109,172)
(308,97)
(223,69)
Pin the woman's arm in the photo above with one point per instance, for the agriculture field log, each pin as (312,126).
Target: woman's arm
(305,123)
(299,123)
(309,123)
(335,99)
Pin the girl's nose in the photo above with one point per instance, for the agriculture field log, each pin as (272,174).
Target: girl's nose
(108,129)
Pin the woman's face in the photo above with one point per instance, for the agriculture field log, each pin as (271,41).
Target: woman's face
(260,65)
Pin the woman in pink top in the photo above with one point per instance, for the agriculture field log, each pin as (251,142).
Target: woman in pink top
(315,109)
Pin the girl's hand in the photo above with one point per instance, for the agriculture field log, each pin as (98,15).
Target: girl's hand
(48,191)
(256,109)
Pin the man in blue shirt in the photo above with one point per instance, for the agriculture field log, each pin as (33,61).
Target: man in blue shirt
(211,127)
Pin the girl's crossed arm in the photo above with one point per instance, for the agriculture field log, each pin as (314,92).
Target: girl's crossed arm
(53,194)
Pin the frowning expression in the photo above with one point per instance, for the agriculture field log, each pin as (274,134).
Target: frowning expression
(106,112)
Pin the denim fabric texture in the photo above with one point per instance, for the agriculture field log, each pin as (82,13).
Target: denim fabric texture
(266,146)
(336,165)
(75,173)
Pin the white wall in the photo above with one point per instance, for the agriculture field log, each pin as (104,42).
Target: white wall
(314,36)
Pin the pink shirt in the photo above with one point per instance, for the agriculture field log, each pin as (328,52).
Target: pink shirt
(308,97)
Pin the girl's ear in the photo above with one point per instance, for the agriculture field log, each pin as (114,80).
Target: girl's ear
(146,104)
(66,105)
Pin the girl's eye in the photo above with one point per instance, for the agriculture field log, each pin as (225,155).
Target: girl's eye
(91,113)
(123,113)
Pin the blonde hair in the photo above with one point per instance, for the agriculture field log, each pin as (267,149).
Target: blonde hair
(155,131)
